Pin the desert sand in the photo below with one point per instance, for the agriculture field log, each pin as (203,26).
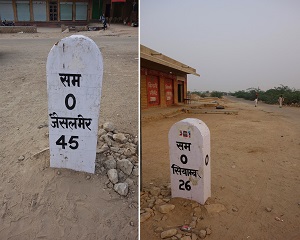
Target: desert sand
(255,172)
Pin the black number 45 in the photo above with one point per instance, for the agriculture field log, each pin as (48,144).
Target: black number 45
(73,143)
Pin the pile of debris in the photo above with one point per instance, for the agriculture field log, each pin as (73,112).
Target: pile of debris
(157,206)
(117,158)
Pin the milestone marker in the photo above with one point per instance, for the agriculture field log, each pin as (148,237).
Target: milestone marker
(74,82)
(189,148)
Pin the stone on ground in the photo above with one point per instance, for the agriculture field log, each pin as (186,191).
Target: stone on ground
(125,166)
(166,208)
(121,188)
(145,216)
(109,127)
(113,175)
(168,233)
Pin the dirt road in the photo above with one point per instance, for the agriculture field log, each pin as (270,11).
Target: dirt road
(255,175)
(37,202)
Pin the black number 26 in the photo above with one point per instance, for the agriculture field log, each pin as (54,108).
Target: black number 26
(73,143)
(184,185)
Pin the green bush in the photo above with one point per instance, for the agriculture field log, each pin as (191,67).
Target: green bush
(216,94)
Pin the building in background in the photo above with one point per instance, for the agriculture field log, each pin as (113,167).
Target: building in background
(57,12)
(163,80)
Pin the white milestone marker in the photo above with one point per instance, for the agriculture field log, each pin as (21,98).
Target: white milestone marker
(74,82)
(189,146)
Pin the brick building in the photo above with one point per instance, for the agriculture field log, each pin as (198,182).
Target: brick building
(57,12)
(163,80)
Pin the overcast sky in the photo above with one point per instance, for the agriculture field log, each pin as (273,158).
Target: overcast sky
(233,44)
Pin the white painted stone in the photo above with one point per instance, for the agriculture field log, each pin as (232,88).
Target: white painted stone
(76,54)
(189,148)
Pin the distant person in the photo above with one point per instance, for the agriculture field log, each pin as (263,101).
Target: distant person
(103,20)
(280,100)
(255,102)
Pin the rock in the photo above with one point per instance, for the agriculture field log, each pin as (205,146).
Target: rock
(186,238)
(109,127)
(195,204)
(193,224)
(164,218)
(194,236)
(113,176)
(215,208)
(268,209)
(159,201)
(58,173)
(277,218)
(107,139)
(115,149)
(198,211)
(131,223)
(149,210)
(101,132)
(168,233)
(129,181)
(121,188)
(235,209)
(128,152)
(150,205)
(220,107)
(125,166)
(21,158)
(135,171)
(145,216)
(88,177)
(202,234)
(104,148)
(122,176)
(166,208)
(177,236)
(158,230)
(110,164)
(135,159)
(155,191)
(110,185)
(208,231)
(120,137)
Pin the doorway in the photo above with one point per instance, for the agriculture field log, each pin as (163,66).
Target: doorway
(53,10)
(180,91)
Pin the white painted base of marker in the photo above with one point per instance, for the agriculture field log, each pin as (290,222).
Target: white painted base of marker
(189,148)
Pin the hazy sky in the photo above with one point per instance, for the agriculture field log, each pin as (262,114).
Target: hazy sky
(233,44)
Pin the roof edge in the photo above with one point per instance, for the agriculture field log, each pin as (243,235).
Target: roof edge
(151,55)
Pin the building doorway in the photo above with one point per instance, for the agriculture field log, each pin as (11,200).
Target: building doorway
(53,10)
(180,91)
(107,12)
(96,9)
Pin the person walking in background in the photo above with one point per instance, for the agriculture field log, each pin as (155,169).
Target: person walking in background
(255,102)
(280,100)
(103,20)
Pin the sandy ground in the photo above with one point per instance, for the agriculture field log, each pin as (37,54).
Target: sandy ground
(255,159)
(36,202)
